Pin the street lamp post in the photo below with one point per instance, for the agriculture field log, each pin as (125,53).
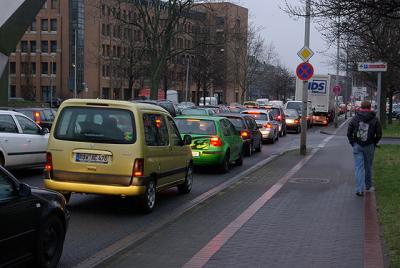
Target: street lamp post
(187,79)
(51,81)
(74,65)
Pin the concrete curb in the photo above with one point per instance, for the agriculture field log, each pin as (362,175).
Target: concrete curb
(119,246)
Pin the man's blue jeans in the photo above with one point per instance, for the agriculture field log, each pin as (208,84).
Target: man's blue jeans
(363,158)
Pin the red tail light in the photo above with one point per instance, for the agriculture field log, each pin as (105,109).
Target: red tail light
(267,125)
(138,167)
(244,134)
(279,117)
(215,141)
(49,163)
(37,117)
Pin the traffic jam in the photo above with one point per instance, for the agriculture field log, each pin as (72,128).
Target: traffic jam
(128,149)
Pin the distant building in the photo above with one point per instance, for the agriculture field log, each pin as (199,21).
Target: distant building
(45,62)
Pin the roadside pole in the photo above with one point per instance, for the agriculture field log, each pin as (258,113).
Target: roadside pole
(379,96)
(303,137)
(187,79)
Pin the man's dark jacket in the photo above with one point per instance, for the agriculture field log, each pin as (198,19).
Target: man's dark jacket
(374,130)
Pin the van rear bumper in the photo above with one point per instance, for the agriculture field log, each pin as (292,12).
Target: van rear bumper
(75,187)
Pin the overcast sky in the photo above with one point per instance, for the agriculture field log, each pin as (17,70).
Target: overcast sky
(287,34)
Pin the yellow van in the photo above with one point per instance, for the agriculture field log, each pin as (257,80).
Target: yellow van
(117,148)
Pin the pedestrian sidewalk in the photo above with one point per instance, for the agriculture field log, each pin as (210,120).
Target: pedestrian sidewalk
(293,212)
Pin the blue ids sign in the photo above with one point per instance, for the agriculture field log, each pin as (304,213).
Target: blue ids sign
(318,86)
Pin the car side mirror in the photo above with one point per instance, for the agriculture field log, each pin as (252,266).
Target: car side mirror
(24,190)
(187,140)
(44,131)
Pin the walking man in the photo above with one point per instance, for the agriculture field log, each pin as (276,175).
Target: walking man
(364,133)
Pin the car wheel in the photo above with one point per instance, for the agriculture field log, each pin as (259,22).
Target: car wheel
(2,161)
(186,187)
(259,148)
(67,197)
(225,166)
(239,161)
(50,243)
(277,136)
(285,132)
(148,201)
(249,149)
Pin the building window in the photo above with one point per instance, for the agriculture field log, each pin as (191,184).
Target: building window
(13,91)
(24,68)
(33,46)
(33,26)
(127,94)
(44,26)
(108,30)
(33,67)
(24,46)
(103,29)
(45,68)
(53,46)
(105,93)
(53,25)
(54,4)
(108,50)
(45,46)
(12,67)
(54,68)
(103,9)
(105,71)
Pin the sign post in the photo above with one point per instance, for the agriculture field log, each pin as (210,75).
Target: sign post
(378,67)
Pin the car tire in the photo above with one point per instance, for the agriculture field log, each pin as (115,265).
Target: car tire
(2,161)
(148,200)
(67,197)
(225,166)
(248,149)
(259,148)
(50,243)
(186,187)
(239,161)
(277,136)
(285,132)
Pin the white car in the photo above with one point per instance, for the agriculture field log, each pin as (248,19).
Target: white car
(23,143)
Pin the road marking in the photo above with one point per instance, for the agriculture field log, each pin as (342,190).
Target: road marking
(215,244)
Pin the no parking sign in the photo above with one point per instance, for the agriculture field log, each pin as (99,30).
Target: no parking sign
(305,71)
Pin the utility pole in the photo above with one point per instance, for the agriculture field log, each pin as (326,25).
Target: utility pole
(75,64)
(187,79)
(303,137)
(337,70)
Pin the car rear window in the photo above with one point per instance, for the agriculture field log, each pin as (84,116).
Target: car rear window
(291,113)
(27,113)
(91,124)
(237,122)
(194,112)
(294,105)
(258,116)
(196,126)
(48,114)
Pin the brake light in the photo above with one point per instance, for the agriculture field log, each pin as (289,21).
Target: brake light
(138,167)
(49,163)
(215,141)
(37,117)
(253,113)
(268,125)
(244,134)
(279,117)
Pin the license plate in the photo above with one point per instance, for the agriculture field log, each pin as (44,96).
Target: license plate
(196,154)
(92,158)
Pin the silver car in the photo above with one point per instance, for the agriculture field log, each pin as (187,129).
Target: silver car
(269,128)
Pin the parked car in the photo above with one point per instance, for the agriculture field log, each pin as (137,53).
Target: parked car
(44,117)
(251,135)
(22,142)
(215,140)
(198,111)
(117,148)
(269,128)
(293,120)
(279,116)
(33,224)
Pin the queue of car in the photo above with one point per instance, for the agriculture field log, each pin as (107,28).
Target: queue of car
(107,147)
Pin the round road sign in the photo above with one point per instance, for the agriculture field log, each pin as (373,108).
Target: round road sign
(305,71)
(337,89)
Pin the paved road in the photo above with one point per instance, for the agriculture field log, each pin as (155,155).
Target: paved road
(98,221)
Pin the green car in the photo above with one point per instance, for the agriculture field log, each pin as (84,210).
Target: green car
(215,140)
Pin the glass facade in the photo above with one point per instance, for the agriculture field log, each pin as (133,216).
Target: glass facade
(77,40)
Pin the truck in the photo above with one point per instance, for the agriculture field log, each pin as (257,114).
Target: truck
(321,96)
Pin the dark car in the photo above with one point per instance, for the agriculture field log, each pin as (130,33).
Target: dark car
(293,120)
(167,105)
(33,223)
(251,135)
(44,117)
(279,116)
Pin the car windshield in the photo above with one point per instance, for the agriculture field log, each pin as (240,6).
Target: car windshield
(294,105)
(194,112)
(101,125)
(257,116)
(196,126)
(237,122)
